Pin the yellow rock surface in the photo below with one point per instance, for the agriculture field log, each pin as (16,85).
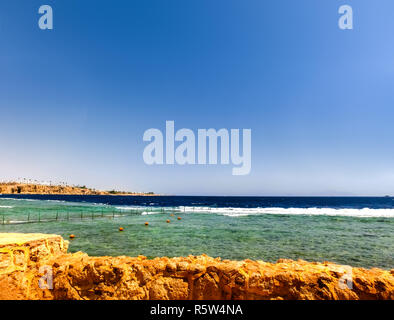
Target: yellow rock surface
(78,276)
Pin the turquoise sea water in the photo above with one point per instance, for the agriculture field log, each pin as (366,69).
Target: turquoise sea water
(352,236)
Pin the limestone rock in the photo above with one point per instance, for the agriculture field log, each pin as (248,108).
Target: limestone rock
(78,276)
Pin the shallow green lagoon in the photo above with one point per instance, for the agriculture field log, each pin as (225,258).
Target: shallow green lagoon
(365,242)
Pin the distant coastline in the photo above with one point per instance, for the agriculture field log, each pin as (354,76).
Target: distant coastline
(30,188)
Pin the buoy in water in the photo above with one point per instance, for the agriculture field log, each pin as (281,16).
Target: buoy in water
(147,223)
(179,218)
(72,236)
(121,229)
(171,214)
(168,221)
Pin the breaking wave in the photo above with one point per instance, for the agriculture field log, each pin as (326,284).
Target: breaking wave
(345,212)
(242,212)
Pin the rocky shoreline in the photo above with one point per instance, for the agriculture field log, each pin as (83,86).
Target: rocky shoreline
(30,263)
(11,188)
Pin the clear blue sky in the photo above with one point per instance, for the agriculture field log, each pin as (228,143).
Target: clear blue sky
(75,101)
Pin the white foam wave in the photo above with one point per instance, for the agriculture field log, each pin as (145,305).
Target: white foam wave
(20,199)
(348,212)
(243,212)
(146,209)
(149,212)
(6,207)
(128,208)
